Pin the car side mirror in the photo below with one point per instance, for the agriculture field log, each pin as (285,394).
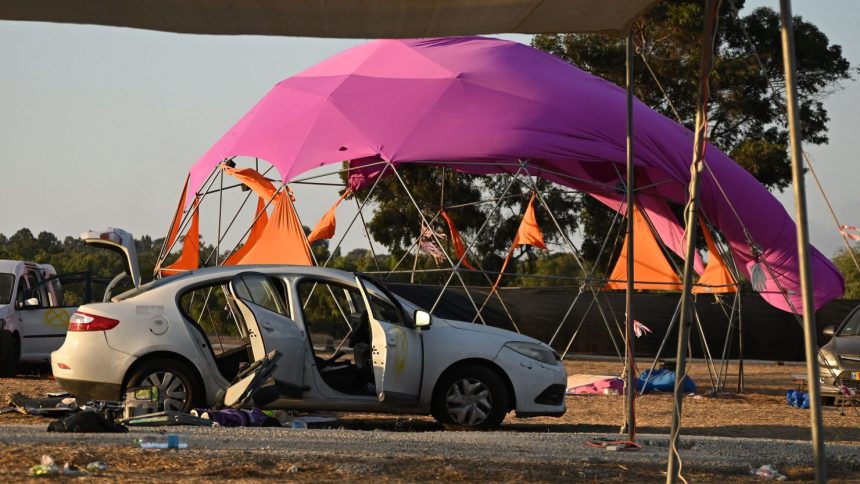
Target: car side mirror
(829,330)
(422,319)
(31,303)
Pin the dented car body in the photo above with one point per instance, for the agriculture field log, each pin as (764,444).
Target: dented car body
(343,343)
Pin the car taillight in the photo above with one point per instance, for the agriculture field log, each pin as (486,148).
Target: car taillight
(90,322)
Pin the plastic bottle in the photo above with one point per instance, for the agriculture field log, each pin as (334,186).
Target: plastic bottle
(169,441)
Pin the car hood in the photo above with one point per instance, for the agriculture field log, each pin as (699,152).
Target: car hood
(847,349)
(489,330)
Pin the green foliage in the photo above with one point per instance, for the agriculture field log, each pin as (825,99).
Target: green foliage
(746,118)
(845,263)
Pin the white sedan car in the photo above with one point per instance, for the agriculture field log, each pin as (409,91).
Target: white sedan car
(339,341)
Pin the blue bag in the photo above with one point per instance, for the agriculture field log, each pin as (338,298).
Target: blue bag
(797,398)
(663,381)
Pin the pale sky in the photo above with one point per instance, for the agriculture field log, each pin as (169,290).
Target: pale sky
(99,125)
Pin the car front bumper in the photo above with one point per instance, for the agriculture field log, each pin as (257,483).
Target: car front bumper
(538,387)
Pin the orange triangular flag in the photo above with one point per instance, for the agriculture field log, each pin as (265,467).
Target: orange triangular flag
(261,218)
(650,267)
(459,246)
(716,278)
(326,226)
(528,234)
(189,260)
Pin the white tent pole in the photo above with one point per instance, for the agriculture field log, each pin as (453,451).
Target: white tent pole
(809,329)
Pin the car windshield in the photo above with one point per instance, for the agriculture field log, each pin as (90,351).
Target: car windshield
(852,325)
(7,282)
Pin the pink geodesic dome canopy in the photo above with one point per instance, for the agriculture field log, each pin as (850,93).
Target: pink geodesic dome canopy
(485,105)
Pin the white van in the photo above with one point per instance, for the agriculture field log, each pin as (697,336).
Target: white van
(35,305)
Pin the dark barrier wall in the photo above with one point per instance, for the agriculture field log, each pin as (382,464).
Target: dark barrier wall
(768,333)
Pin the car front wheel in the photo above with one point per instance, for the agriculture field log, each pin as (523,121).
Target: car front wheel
(470,398)
(178,389)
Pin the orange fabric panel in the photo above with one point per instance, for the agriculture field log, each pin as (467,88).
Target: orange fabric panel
(649,264)
(328,223)
(253,179)
(261,218)
(189,260)
(177,219)
(716,278)
(459,246)
(283,241)
(527,234)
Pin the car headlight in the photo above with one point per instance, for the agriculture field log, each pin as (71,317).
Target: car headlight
(535,351)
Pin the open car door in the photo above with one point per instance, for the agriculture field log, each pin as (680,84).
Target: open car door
(271,330)
(396,346)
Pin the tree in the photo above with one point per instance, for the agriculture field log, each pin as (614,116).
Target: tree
(396,222)
(845,263)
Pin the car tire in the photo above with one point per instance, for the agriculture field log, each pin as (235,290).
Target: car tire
(10,353)
(178,387)
(470,397)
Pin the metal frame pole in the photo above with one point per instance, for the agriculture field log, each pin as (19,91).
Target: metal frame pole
(809,326)
(630,387)
(673,470)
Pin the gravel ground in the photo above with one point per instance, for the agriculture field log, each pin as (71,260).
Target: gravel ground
(724,436)
(326,453)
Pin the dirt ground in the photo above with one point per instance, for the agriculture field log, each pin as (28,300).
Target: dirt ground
(760,412)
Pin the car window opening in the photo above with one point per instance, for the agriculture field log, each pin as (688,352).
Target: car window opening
(336,313)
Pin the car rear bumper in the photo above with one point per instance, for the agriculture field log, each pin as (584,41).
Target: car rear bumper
(86,366)
(91,390)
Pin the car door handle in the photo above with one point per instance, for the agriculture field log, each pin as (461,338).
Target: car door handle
(268,327)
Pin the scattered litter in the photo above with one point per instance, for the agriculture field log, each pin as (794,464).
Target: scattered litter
(140,401)
(97,466)
(47,468)
(768,472)
(298,424)
(169,441)
(663,380)
(293,469)
(58,394)
(168,418)
(797,398)
(86,421)
(594,385)
(232,417)
(613,445)
(72,470)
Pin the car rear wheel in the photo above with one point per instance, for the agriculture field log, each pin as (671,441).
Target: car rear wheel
(10,353)
(470,398)
(177,386)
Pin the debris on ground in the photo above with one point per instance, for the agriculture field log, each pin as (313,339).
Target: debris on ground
(768,472)
(169,441)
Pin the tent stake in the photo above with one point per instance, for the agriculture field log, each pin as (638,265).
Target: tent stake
(809,329)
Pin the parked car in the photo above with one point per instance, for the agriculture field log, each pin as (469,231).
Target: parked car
(839,358)
(193,335)
(36,303)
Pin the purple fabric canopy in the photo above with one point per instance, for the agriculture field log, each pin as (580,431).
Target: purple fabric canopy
(491,103)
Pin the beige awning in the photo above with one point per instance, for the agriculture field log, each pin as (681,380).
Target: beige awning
(338,18)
